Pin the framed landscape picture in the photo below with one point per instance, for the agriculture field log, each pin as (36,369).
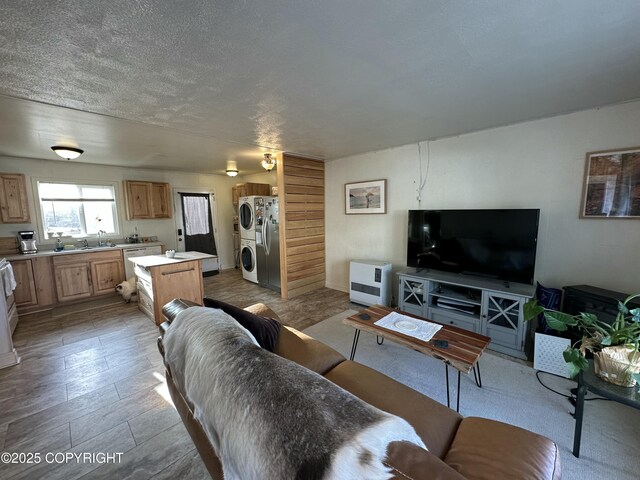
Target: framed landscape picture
(366,197)
(612,185)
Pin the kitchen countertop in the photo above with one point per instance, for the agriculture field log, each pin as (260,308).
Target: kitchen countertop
(50,253)
(158,260)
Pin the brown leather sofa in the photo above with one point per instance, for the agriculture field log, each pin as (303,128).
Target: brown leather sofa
(459,448)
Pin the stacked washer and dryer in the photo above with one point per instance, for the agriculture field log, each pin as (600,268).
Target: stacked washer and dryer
(247,209)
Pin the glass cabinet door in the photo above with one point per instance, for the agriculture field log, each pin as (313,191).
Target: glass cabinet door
(502,318)
(503,312)
(412,295)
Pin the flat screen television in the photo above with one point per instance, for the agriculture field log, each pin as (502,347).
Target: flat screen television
(498,244)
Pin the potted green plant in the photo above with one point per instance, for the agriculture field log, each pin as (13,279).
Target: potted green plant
(615,346)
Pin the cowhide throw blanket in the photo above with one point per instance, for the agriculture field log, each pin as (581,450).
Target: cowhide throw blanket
(268,417)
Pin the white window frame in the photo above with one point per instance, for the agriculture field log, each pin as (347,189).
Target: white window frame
(42,234)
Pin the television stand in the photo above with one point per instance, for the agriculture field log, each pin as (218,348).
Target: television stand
(487,306)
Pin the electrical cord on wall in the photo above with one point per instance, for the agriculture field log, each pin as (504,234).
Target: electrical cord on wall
(422,180)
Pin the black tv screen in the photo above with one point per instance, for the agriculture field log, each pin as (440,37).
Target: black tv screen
(499,244)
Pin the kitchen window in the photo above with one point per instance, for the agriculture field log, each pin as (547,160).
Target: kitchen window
(77,210)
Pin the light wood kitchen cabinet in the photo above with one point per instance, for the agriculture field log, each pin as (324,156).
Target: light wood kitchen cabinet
(106,274)
(146,200)
(14,206)
(43,274)
(162,279)
(44,281)
(160,200)
(34,290)
(138,195)
(247,189)
(73,281)
(79,276)
(25,292)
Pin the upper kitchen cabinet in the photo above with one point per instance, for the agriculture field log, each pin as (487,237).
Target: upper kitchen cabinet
(147,200)
(248,189)
(14,207)
(160,200)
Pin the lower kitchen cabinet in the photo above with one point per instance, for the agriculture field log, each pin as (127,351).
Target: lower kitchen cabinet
(44,281)
(34,283)
(79,276)
(106,274)
(25,292)
(73,281)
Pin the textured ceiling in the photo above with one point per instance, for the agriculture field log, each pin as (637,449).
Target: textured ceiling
(193,84)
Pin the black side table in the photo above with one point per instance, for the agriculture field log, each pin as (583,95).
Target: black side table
(590,381)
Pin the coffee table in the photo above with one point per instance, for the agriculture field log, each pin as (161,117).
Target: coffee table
(588,380)
(462,353)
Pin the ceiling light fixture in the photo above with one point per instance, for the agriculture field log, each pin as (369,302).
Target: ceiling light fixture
(232,168)
(69,153)
(268,163)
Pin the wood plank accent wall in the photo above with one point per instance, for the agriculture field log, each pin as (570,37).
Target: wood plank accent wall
(301,199)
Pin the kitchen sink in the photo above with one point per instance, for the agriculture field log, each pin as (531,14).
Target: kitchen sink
(103,247)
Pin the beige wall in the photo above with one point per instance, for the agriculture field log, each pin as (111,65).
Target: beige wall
(538,164)
(163,229)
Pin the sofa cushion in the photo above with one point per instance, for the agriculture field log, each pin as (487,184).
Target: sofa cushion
(306,351)
(409,462)
(264,329)
(486,449)
(434,423)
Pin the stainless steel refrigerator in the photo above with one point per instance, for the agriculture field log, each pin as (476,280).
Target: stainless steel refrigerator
(268,243)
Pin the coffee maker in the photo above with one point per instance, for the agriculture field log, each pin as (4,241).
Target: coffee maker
(27,242)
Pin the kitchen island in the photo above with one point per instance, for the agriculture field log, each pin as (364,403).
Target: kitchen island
(161,279)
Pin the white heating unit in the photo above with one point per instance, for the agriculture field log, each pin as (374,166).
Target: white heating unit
(370,282)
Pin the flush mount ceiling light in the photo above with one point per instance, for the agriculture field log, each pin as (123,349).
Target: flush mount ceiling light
(69,153)
(232,168)
(268,163)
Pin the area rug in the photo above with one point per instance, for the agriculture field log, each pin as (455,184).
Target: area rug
(510,393)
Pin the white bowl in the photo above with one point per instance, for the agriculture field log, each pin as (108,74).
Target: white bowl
(170,253)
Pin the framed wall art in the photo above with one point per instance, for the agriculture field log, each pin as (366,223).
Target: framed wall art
(366,197)
(612,185)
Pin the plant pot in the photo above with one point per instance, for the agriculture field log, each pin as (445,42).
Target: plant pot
(617,365)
